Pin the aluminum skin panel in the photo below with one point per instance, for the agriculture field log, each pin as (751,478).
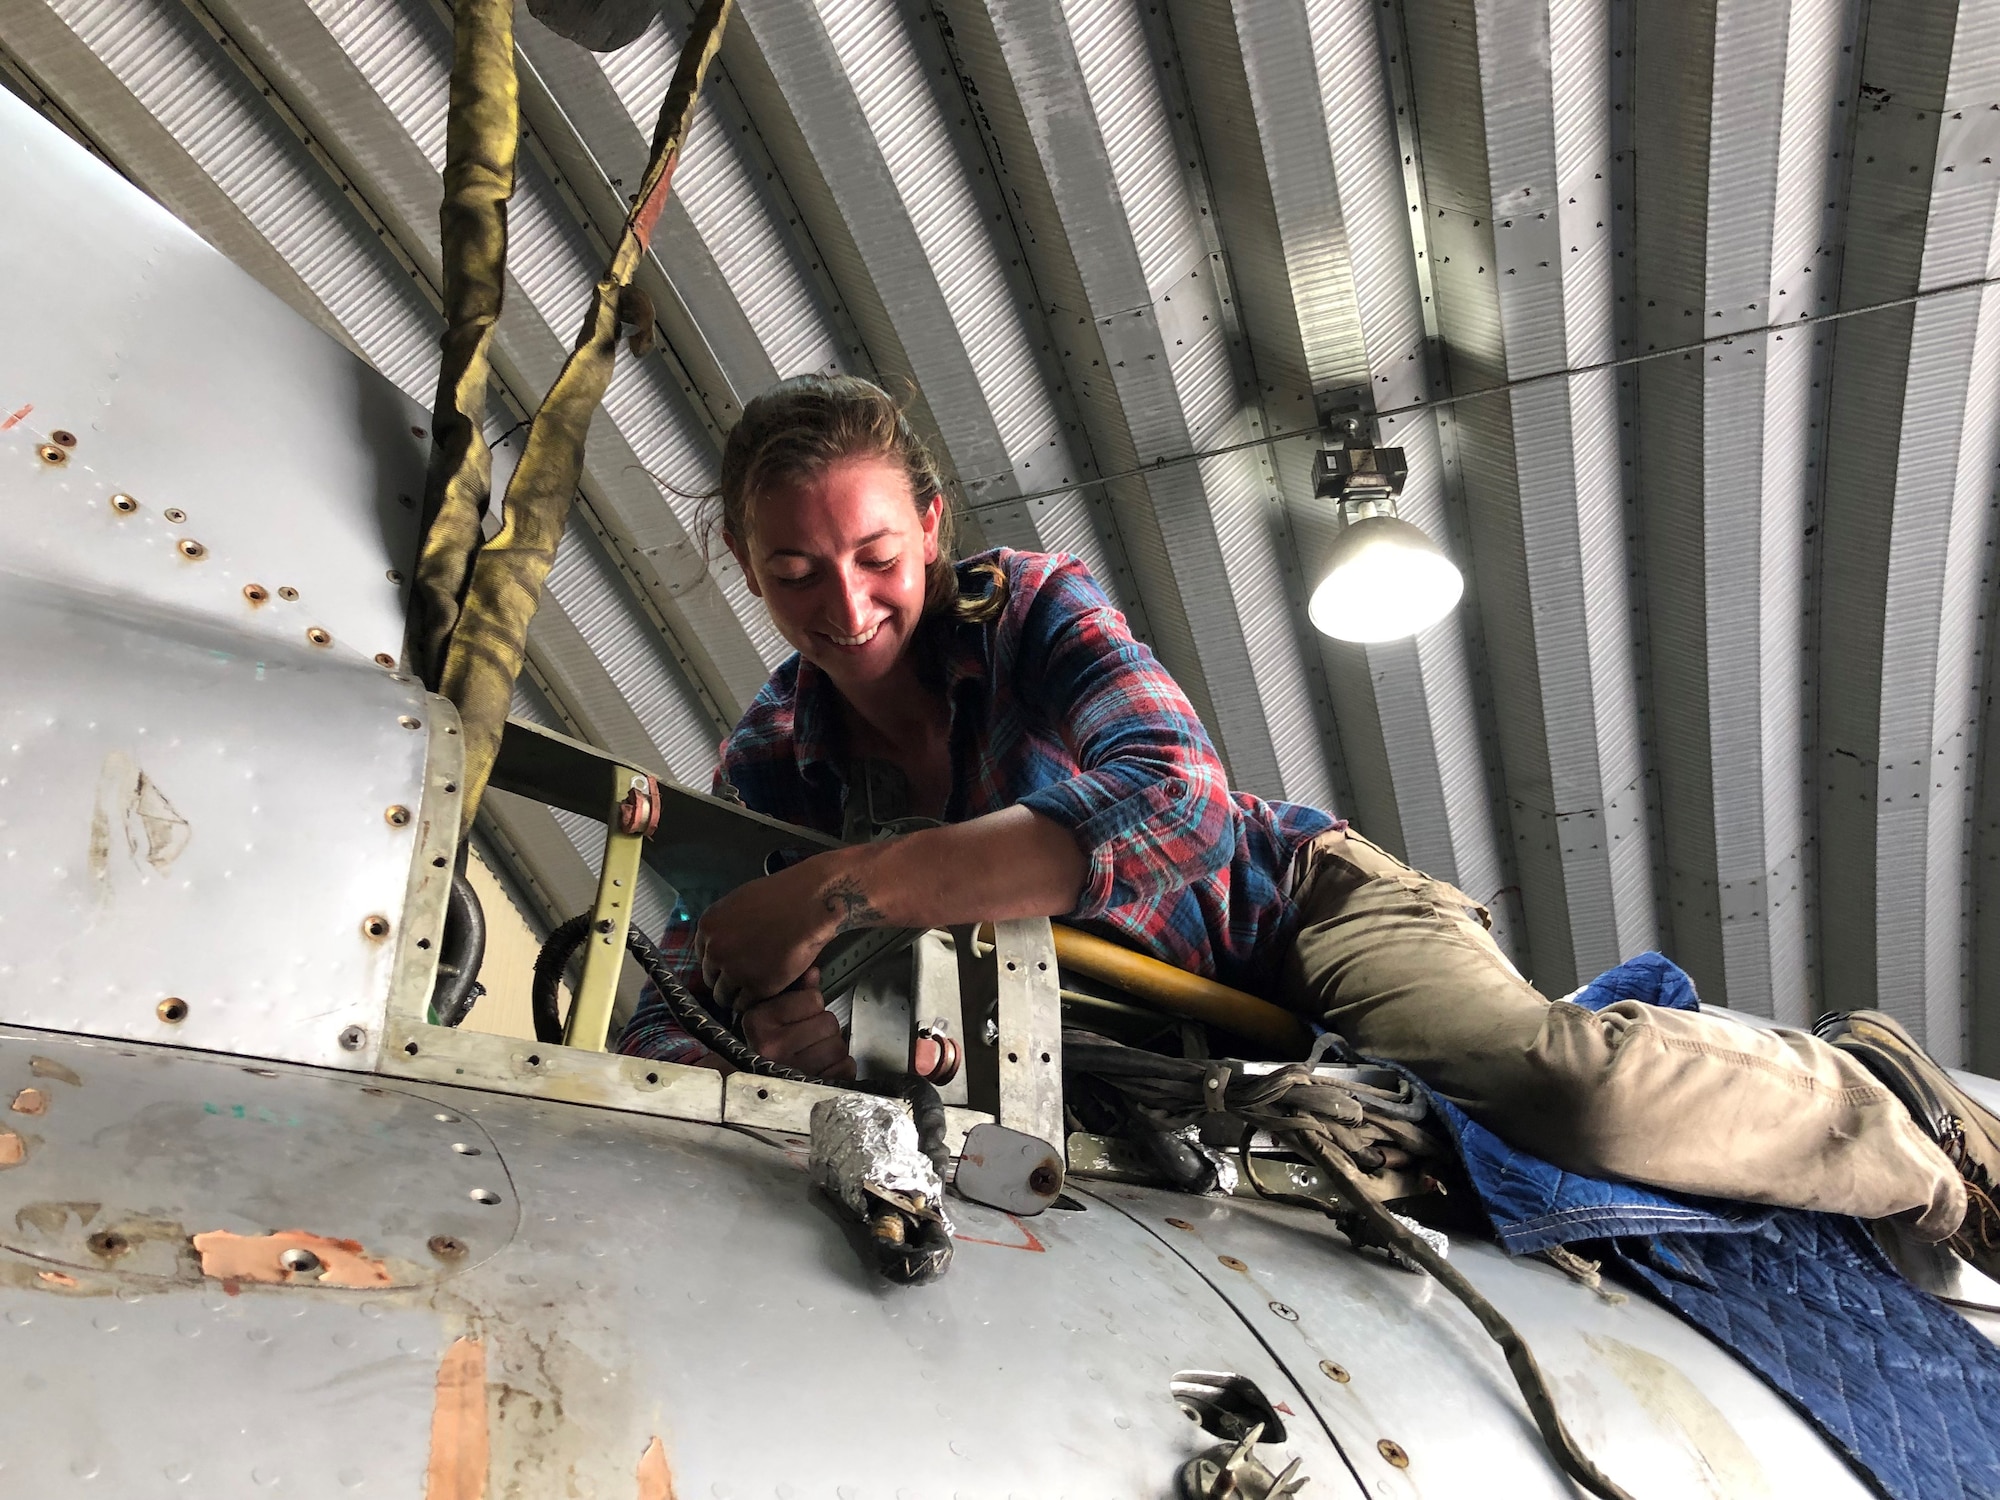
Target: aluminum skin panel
(668,1279)
(202,821)
(268,476)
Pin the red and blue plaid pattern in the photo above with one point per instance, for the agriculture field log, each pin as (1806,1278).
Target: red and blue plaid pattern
(1054,707)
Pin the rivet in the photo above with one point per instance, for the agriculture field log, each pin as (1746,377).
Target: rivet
(410,723)
(173,1010)
(256,593)
(1333,1371)
(124,504)
(464,1150)
(1394,1453)
(318,636)
(1232,1262)
(174,514)
(49,453)
(299,1261)
(444,1247)
(398,816)
(190,548)
(287,593)
(376,926)
(384,659)
(62,438)
(1181,1224)
(353,1038)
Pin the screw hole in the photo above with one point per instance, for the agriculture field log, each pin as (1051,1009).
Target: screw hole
(1013,1057)
(384,659)
(763,1093)
(1045,1057)
(410,723)
(395,576)
(423,942)
(440,862)
(464,1150)
(451,786)
(173,1010)
(652,1078)
(445,1119)
(191,549)
(534,1060)
(398,816)
(124,504)
(410,1049)
(49,453)
(483,1195)
(318,636)
(256,593)
(108,1242)
(299,1261)
(375,927)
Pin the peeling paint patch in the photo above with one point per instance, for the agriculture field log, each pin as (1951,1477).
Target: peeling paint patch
(13,1150)
(237,1257)
(131,811)
(48,1067)
(56,1278)
(457,1468)
(656,1480)
(31,1102)
(1724,1462)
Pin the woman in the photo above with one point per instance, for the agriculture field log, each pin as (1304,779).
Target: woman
(1075,780)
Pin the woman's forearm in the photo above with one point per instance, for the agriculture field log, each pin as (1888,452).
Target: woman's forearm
(1013,863)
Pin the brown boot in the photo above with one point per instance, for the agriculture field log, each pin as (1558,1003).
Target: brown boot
(1964,1129)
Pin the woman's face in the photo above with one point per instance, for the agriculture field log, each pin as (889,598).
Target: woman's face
(840,564)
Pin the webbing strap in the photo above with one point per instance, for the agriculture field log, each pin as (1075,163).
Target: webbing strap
(491,637)
(482,133)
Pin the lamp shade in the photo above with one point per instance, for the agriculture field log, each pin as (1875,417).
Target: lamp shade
(1385,580)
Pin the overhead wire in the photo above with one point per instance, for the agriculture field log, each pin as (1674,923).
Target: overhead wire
(1504,388)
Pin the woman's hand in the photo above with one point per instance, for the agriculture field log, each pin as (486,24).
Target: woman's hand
(759,938)
(796,1029)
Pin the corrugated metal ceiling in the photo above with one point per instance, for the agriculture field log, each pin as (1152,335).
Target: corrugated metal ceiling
(1613,274)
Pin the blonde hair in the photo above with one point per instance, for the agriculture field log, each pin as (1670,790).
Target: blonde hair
(799,428)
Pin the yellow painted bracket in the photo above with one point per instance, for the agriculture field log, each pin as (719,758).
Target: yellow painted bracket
(604,955)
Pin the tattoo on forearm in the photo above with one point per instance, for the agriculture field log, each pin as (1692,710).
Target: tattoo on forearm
(850,906)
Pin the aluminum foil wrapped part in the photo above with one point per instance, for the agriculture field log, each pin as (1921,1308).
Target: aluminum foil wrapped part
(865,1155)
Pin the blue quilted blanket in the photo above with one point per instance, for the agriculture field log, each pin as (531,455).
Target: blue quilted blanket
(1896,1381)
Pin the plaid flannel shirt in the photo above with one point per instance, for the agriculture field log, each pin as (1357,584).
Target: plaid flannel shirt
(1055,707)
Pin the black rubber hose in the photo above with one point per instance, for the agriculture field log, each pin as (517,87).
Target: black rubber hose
(927,1112)
(464,949)
(690,1012)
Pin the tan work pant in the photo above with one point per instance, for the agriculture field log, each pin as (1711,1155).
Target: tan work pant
(1402,967)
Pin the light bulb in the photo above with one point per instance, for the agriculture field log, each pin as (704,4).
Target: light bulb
(1385,580)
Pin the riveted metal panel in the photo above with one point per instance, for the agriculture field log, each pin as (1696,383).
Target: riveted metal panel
(172,781)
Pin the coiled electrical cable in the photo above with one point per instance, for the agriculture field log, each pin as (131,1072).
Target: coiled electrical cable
(693,1016)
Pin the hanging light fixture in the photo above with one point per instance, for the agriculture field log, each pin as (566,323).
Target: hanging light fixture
(1384,578)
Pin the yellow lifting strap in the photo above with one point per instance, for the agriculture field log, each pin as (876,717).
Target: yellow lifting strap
(494,590)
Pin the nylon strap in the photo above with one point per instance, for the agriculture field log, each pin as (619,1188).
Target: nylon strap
(482,133)
(490,638)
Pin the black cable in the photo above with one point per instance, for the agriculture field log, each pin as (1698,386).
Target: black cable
(690,1012)
(464,945)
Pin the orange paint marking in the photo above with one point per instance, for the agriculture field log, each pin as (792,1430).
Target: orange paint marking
(56,1278)
(14,417)
(656,1480)
(1027,1242)
(240,1257)
(458,1460)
